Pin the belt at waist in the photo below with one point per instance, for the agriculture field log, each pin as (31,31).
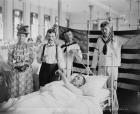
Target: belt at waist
(49,63)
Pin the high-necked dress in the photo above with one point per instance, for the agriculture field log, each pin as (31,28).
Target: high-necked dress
(69,57)
(20,58)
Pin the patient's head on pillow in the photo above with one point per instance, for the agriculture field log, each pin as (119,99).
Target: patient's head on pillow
(78,80)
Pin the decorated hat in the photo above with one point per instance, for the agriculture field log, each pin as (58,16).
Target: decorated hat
(23,29)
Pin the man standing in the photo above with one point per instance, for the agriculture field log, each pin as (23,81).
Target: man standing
(51,57)
(107,56)
(71,50)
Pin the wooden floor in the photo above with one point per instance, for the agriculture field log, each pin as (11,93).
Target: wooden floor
(129,102)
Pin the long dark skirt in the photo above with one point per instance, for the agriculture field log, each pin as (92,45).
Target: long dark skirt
(47,73)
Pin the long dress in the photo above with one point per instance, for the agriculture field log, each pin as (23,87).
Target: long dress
(4,94)
(4,87)
(69,57)
(20,58)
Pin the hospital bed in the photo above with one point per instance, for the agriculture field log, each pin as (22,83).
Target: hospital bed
(105,99)
(56,99)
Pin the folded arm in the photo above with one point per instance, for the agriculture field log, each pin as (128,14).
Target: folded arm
(68,85)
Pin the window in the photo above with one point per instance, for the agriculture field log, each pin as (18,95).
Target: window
(34,25)
(17,19)
(1,25)
(46,23)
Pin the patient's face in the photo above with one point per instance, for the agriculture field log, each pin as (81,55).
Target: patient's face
(78,81)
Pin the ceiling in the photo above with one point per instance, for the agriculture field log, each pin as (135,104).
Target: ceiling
(115,7)
(82,5)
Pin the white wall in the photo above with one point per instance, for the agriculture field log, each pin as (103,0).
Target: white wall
(78,20)
(1,3)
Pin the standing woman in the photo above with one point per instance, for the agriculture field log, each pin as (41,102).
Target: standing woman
(71,51)
(20,58)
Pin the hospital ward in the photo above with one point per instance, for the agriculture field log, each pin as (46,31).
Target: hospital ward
(69,56)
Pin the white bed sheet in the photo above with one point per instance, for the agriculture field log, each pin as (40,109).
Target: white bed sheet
(103,95)
(56,100)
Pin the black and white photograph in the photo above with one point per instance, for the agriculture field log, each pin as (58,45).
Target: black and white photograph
(69,56)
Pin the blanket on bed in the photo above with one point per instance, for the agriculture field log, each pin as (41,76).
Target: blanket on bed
(56,99)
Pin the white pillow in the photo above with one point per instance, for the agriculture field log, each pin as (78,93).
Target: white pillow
(72,76)
(93,85)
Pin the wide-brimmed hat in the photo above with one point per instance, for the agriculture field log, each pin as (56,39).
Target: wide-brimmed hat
(23,29)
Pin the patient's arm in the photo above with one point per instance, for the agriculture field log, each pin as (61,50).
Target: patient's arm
(73,89)
(69,86)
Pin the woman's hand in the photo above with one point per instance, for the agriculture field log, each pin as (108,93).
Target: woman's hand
(115,84)
(59,72)
(74,51)
(63,76)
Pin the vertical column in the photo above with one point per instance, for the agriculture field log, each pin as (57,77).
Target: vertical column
(59,16)
(138,20)
(59,12)
(90,15)
(130,12)
(8,20)
(26,12)
(41,25)
(117,23)
(90,28)
(52,17)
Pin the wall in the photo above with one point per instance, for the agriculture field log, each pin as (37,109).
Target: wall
(79,20)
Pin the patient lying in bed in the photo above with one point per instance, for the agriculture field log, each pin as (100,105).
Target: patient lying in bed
(74,85)
(58,97)
(83,85)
